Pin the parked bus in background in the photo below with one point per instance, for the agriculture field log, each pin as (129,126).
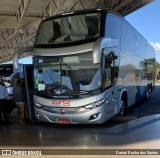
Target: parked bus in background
(8,74)
(89,66)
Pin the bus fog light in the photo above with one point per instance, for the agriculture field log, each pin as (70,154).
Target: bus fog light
(94,116)
(38,115)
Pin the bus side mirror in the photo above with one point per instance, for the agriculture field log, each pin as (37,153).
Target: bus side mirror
(108,63)
(17,53)
(15,61)
(101,44)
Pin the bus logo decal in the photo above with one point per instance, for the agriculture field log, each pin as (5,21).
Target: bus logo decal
(40,61)
(61,102)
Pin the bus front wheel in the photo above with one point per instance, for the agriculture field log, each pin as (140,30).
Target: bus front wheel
(123,105)
(149,91)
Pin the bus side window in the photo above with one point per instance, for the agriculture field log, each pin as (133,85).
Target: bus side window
(65,30)
(111,69)
(92,21)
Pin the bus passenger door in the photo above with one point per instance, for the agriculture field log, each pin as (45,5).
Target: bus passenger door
(28,75)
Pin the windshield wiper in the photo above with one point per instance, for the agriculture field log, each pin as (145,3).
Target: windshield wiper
(94,91)
(84,92)
(79,92)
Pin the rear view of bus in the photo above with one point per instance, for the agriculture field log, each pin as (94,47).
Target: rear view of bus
(77,69)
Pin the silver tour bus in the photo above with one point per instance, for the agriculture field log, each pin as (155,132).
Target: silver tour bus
(89,66)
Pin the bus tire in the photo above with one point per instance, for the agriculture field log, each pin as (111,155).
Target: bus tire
(123,102)
(149,91)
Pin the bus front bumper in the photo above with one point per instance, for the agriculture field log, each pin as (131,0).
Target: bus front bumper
(92,116)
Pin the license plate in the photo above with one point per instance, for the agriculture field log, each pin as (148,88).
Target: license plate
(63,121)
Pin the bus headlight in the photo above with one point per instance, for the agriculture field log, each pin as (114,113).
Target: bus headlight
(94,105)
(38,105)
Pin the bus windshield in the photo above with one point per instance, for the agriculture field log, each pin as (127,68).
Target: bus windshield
(66,75)
(69,29)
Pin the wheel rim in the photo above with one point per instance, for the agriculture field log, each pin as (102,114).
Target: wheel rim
(148,93)
(122,104)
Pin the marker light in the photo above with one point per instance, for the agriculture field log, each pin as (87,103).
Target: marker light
(38,105)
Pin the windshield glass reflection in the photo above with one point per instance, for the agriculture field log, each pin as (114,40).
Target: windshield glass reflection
(69,75)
